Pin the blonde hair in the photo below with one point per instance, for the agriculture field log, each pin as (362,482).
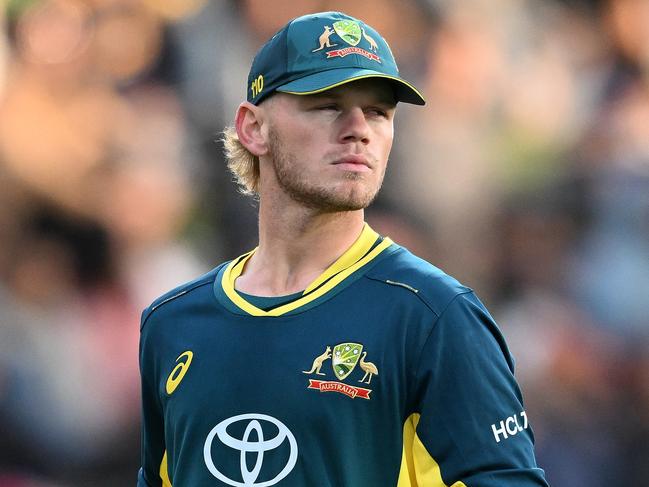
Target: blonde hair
(241,162)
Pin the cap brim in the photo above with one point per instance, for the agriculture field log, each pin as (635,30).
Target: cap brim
(326,80)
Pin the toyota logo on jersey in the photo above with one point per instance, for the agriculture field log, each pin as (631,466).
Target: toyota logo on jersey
(259,447)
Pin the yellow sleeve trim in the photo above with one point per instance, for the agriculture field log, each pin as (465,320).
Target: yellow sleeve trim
(164,472)
(348,263)
(418,468)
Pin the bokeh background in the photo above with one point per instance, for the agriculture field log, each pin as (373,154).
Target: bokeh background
(526,176)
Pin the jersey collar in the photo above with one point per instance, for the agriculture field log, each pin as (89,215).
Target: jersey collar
(362,252)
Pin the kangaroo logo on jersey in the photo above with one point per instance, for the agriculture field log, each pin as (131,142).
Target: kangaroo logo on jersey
(350,32)
(318,362)
(179,371)
(344,358)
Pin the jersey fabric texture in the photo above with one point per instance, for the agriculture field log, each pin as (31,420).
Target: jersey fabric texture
(385,371)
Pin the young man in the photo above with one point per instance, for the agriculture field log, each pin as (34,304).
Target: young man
(328,355)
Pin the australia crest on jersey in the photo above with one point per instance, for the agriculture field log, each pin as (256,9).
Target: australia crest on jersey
(344,358)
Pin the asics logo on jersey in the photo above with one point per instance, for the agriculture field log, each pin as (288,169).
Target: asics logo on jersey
(179,371)
(249,478)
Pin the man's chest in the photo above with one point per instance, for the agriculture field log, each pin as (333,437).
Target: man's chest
(312,390)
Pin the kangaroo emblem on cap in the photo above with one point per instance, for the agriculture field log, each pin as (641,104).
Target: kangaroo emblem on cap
(324,39)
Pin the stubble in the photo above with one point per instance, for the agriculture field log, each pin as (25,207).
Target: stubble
(296,183)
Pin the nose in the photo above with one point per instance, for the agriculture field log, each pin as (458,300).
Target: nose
(354,126)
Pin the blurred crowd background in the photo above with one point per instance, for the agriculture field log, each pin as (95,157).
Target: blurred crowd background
(526,176)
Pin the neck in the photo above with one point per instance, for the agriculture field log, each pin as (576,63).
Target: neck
(296,245)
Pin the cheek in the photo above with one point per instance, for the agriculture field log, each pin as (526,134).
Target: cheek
(386,143)
(311,149)
(298,140)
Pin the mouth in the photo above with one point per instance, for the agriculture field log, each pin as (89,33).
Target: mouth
(354,163)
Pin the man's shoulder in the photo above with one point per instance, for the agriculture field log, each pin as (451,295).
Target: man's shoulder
(182,294)
(434,287)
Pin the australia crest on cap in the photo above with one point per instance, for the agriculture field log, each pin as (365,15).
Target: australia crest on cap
(351,32)
(348,30)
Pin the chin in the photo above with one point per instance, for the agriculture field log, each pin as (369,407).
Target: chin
(351,201)
(346,195)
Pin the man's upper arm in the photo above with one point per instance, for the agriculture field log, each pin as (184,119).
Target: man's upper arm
(470,427)
(153,444)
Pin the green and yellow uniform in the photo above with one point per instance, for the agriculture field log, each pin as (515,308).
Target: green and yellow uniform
(385,371)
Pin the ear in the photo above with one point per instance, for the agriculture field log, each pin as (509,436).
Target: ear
(248,122)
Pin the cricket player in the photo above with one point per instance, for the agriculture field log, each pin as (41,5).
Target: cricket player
(329,355)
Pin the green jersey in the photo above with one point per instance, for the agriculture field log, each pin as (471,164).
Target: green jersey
(384,372)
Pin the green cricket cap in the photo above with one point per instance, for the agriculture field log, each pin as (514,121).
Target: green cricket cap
(320,51)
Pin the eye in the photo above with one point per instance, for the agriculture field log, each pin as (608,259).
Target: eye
(327,107)
(377,112)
